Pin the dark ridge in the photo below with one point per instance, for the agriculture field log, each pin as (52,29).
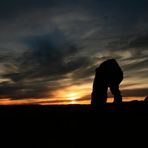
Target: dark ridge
(72,111)
(74,125)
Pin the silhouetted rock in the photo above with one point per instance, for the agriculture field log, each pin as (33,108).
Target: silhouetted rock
(108,74)
(146,99)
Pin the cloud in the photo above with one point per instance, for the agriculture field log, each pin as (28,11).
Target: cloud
(42,68)
(139,42)
(141,92)
(22,90)
(12,9)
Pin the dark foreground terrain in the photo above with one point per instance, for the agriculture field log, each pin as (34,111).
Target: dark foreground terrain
(70,125)
(73,112)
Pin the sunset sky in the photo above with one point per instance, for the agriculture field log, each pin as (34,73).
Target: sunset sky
(49,49)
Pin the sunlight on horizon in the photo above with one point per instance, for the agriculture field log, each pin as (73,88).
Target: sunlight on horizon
(69,95)
(72,96)
(48,101)
(72,93)
(75,94)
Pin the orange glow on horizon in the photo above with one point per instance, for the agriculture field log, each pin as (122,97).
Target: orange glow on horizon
(72,93)
(77,94)
(48,101)
(72,96)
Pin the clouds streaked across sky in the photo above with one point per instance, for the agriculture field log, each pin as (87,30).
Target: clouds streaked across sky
(50,49)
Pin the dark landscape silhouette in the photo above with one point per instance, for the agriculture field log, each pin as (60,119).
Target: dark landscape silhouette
(75,124)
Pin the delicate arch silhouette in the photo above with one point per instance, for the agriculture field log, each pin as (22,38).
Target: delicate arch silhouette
(107,75)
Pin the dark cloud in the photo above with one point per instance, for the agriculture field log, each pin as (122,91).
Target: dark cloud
(138,66)
(106,8)
(141,41)
(141,92)
(44,58)
(21,91)
(14,8)
(5,55)
(43,64)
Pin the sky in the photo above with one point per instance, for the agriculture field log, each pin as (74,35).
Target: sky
(49,49)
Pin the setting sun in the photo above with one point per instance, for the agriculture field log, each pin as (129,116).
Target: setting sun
(72,96)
